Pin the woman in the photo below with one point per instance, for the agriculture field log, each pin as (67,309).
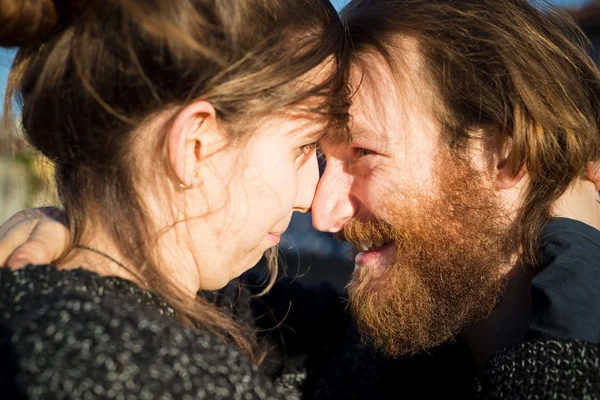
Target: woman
(182,133)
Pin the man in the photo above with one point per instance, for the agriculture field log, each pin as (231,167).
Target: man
(470,119)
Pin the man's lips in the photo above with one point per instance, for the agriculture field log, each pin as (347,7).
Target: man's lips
(376,258)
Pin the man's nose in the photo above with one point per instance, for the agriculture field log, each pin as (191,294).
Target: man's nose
(333,205)
(307,184)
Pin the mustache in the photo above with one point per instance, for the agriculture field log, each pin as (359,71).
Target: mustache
(372,228)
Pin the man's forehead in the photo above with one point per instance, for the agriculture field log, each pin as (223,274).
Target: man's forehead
(370,76)
(397,75)
(359,132)
(388,90)
(375,97)
(362,131)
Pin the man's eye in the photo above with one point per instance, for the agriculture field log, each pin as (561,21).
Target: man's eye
(360,152)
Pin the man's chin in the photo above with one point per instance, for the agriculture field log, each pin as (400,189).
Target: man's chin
(387,320)
(399,315)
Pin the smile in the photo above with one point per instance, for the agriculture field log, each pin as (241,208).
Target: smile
(377,255)
(372,245)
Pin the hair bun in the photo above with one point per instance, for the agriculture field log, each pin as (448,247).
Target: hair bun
(24,22)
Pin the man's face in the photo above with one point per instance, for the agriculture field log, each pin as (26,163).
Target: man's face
(430,231)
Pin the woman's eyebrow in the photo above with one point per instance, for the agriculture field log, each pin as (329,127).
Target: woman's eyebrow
(315,134)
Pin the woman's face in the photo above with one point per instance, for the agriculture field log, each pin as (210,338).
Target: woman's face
(251,190)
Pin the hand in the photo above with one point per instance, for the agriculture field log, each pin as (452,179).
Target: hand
(581,201)
(37,236)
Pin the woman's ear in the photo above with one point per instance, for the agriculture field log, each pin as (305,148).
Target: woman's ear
(193,129)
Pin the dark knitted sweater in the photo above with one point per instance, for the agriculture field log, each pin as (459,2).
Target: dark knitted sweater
(559,358)
(76,335)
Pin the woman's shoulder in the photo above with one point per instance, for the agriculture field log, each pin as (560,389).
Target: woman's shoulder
(37,289)
(73,333)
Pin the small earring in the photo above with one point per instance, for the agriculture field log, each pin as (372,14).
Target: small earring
(183,187)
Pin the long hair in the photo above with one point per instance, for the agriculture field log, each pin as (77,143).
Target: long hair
(89,73)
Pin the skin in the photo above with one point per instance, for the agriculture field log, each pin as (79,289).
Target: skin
(230,202)
(393,147)
(395,139)
(394,144)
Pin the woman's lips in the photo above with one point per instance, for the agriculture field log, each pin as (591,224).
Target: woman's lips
(274,238)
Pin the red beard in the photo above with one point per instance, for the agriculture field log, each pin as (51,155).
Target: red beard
(447,270)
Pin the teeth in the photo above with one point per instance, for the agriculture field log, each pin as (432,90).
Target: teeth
(363,246)
(371,245)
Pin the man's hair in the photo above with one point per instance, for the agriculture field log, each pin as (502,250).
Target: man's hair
(518,66)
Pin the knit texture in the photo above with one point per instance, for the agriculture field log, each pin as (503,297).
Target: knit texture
(76,335)
(543,369)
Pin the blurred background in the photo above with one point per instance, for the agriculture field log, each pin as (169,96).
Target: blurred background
(309,256)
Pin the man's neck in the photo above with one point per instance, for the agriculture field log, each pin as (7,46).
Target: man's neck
(507,324)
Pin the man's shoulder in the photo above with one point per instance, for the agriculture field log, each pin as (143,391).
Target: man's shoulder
(565,296)
(539,369)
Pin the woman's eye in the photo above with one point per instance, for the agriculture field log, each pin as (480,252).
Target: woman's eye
(308,149)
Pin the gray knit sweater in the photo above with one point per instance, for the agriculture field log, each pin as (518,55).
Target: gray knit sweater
(76,335)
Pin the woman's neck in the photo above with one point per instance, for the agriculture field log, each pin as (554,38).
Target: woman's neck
(99,253)
(100,256)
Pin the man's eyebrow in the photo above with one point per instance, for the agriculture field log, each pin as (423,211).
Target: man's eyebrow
(361,131)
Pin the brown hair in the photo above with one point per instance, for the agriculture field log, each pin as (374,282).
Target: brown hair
(516,65)
(89,73)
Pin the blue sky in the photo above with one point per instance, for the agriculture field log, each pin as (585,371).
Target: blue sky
(339,3)
(6,55)
(570,3)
